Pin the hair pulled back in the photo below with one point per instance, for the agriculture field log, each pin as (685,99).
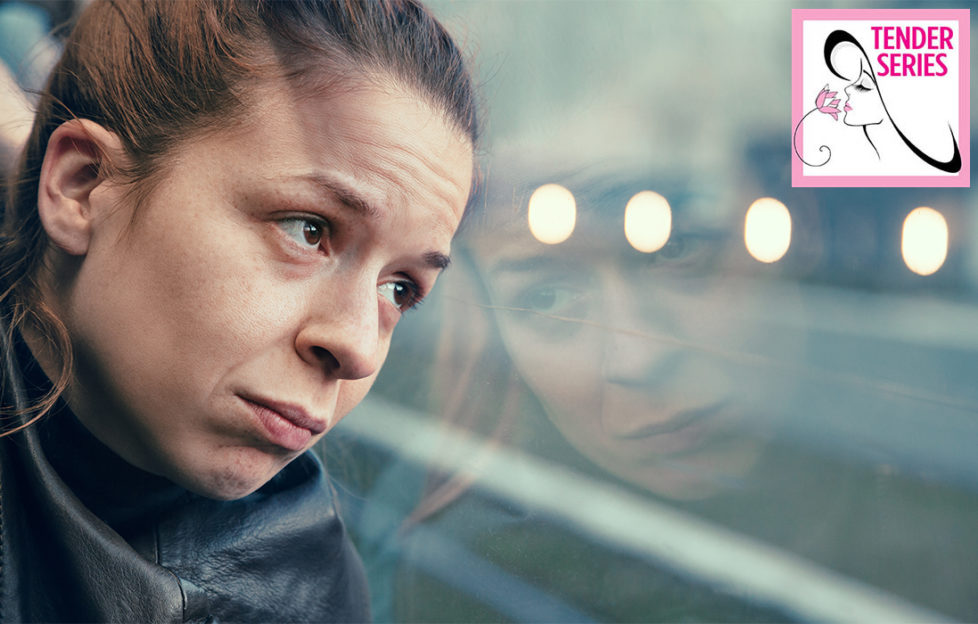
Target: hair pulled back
(158,72)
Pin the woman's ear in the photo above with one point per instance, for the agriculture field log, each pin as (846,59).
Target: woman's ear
(73,168)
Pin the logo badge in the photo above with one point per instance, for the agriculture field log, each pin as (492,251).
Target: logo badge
(880,97)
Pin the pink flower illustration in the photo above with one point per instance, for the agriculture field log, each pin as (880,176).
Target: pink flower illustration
(832,108)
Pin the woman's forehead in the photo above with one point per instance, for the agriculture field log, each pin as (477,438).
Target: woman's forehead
(377,133)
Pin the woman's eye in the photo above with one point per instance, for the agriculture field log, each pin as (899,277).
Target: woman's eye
(305,232)
(862,87)
(551,305)
(677,251)
(548,299)
(674,249)
(403,295)
(685,251)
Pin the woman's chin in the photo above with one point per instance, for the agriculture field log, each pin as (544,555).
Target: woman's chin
(228,480)
(717,462)
(856,121)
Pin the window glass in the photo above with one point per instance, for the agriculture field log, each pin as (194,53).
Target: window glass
(658,383)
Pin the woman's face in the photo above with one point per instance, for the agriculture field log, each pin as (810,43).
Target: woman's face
(629,353)
(863,106)
(246,307)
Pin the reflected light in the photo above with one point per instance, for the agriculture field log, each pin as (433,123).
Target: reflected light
(924,243)
(767,230)
(648,221)
(552,214)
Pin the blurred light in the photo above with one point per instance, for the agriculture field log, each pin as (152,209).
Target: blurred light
(767,230)
(924,242)
(648,221)
(552,214)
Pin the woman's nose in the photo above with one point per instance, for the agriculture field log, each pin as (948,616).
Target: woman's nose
(638,337)
(341,333)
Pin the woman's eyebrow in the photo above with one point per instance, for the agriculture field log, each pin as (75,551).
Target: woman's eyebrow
(347,194)
(437,260)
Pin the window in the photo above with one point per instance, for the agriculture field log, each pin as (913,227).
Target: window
(747,407)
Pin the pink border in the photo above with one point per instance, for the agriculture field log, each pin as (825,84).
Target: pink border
(963,17)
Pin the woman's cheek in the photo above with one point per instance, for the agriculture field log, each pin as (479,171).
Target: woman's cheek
(565,374)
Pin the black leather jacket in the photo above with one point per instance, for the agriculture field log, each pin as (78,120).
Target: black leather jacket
(88,537)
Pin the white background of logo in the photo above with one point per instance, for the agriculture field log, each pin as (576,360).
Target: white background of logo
(922,107)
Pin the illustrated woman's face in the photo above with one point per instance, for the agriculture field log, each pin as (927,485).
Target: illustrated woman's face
(864,107)
(246,307)
(628,354)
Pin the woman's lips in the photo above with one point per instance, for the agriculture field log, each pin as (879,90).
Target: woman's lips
(642,424)
(285,425)
(680,421)
(847,108)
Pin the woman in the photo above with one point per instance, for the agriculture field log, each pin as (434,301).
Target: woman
(632,368)
(625,350)
(223,210)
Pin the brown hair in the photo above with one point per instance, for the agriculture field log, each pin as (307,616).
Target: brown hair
(156,72)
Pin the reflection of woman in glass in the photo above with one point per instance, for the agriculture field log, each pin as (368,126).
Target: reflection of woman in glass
(866,109)
(632,355)
(659,373)
(594,357)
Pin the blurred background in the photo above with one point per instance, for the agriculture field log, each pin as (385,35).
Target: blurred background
(658,383)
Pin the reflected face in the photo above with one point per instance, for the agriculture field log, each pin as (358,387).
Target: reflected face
(628,353)
(864,107)
(234,318)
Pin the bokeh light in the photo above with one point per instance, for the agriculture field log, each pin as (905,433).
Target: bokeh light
(767,230)
(552,214)
(924,243)
(648,221)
